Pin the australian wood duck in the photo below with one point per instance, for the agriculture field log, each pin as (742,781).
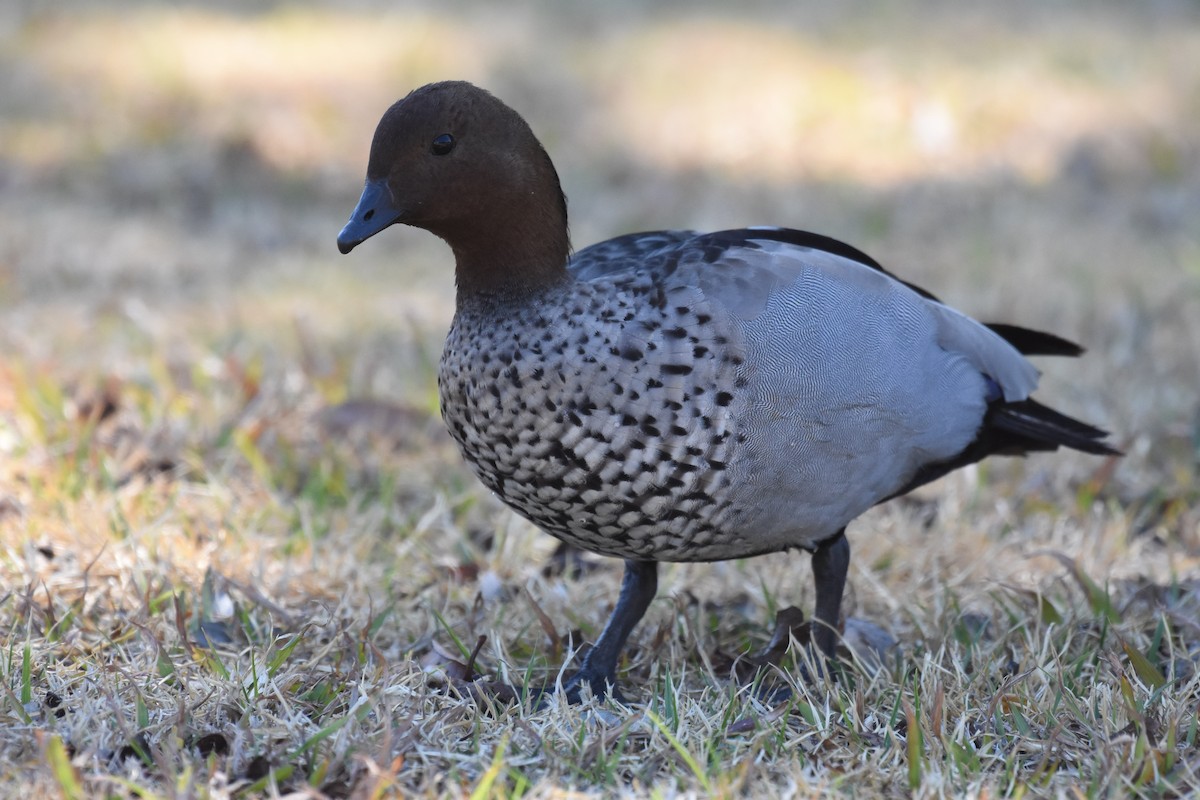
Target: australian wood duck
(684,396)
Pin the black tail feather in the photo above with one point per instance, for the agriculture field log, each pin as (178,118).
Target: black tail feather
(1035,343)
(1014,429)
(1038,427)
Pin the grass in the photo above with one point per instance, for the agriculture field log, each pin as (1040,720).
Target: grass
(239,557)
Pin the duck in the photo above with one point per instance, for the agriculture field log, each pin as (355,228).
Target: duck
(680,396)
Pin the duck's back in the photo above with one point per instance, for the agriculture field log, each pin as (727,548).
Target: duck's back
(694,397)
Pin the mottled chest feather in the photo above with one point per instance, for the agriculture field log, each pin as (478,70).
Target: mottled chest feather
(605,412)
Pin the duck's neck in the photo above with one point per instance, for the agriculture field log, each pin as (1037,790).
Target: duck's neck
(518,244)
(511,259)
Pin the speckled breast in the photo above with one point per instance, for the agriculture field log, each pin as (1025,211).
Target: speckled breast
(606,414)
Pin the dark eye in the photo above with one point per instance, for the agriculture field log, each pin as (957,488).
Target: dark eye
(442,144)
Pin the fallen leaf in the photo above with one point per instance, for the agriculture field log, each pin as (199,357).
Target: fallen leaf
(547,625)
(789,624)
(442,667)
(212,744)
(258,768)
(869,643)
(743,725)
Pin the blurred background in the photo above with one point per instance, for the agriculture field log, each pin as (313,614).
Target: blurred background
(173,175)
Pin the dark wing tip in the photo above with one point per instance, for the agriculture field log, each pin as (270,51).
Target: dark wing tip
(1035,343)
(1045,427)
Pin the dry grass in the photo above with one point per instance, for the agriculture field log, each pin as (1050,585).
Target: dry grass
(218,577)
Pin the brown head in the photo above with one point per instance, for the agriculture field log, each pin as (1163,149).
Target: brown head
(454,160)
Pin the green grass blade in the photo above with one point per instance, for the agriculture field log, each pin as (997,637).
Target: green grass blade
(60,766)
(27,675)
(333,728)
(1150,675)
(914,748)
(281,655)
(458,644)
(688,758)
(484,787)
(275,776)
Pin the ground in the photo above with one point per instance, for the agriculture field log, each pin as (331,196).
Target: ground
(239,557)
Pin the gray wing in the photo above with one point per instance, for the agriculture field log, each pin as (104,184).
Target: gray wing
(852,381)
(766,277)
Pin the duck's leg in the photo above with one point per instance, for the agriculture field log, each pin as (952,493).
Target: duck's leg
(599,669)
(830,563)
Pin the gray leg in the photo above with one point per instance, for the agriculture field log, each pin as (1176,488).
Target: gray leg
(830,563)
(599,669)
